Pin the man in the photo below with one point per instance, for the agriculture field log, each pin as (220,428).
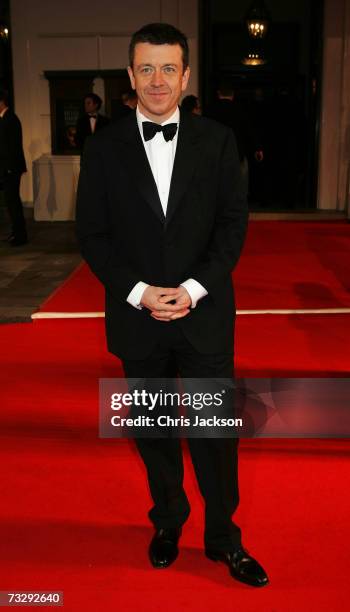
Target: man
(129,99)
(12,166)
(191,105)
(230,112)
(92,121)
(126,104)
(161,222)
(262,179)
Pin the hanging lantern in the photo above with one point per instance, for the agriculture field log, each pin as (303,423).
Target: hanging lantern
(255,54)
(257,20)
(4,32)
(254,59)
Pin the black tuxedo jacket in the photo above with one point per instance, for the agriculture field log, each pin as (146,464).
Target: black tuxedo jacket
(83,128)
(11,148)
(125,237)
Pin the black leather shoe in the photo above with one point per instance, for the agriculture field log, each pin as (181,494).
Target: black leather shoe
(241,565)
(163,549)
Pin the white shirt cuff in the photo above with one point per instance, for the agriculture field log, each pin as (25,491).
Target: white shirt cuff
(135,296)
(195,289)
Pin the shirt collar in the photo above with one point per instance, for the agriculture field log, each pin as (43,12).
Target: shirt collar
(3,111)
(175,118)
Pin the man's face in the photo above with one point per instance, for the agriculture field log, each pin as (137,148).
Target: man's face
(90,106)
(159,79)
(197,109)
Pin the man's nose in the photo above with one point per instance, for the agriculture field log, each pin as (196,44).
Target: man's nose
(157,78)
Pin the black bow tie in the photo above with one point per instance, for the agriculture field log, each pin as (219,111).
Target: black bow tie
(93,116)
(150,130)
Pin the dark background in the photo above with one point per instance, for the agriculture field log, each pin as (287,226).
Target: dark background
(282,96)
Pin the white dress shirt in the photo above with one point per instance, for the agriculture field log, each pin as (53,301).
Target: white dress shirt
(93,123)
(161,154)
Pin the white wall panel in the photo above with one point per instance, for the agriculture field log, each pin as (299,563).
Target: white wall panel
(75,16)
(66,53)
(114,52)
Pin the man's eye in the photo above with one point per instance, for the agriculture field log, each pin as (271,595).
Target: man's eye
(147,70)
(169,69)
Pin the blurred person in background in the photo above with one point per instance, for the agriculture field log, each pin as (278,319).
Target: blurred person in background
(126,104)
(91,121)
(191,105)
(12,166)
(227,110)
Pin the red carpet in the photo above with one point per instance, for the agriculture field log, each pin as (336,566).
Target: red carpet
(73,507)
(69,520)
(284,265)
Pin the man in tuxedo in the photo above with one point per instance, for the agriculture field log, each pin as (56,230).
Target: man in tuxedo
(126,104)
(91,121)
(12,166)
(227,110)
(161,221)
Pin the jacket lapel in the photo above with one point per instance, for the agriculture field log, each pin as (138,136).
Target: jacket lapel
(186,158)
(136,161)
(137,164)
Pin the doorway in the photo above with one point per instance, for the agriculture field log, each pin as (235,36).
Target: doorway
(277,101)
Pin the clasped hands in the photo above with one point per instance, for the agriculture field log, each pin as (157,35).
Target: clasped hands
(157,300)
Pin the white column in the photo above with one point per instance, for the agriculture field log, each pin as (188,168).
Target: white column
(344,145)
(334,154)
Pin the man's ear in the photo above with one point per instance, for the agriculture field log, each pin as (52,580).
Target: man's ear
(185,78)
(131,77)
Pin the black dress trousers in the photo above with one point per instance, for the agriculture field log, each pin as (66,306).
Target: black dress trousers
(214,459)
(11,186)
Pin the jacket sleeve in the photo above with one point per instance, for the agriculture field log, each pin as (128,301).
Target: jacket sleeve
(79,134)
(230,223)
(15,146)
(94,231)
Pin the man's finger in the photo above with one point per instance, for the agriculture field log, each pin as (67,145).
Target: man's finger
(167,307)
(179,315)
(156,316)
(162,314)
(168,290)
(166,316)
(164,299)
(183,300)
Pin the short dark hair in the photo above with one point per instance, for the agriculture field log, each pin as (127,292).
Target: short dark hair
(96,99)
(159,34)
(130,94)
(225,87)
(4,96)
(189,103)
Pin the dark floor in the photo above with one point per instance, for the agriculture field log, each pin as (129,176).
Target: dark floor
(30,273)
